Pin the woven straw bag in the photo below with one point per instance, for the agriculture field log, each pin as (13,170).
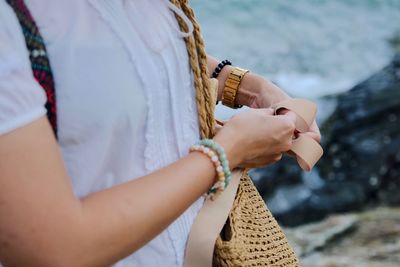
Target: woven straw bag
(251,236)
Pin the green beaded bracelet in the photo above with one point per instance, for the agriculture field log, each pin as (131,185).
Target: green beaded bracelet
(221,156)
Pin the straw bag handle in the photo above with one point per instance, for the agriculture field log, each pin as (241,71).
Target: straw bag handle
(307,150)
(212,217)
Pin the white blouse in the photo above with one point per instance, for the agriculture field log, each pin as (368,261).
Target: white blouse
(125,97)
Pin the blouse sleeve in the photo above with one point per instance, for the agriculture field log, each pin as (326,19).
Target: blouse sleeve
(22,99)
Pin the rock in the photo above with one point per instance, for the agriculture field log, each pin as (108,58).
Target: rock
(362,137)
(312,237)
(361,164)
(308,205)
(366,239)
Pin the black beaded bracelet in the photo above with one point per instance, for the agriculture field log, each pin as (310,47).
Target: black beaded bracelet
(219,68)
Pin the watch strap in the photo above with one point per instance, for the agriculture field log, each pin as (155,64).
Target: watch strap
(231,88)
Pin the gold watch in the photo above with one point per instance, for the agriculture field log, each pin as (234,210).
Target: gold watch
(232,84)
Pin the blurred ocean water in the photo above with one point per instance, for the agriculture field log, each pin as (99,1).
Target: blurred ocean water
(310,48)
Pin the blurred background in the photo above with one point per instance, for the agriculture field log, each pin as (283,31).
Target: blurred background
(345,55)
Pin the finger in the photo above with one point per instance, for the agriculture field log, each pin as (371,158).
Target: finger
(314,128)
(277,157)
(315,132)
(287,124)
(261,162)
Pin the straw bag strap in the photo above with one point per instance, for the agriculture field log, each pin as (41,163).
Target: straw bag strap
(208,224)
(307,150)
(213,215)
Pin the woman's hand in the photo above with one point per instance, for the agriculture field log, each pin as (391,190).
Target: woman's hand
(256,92)
(257,137)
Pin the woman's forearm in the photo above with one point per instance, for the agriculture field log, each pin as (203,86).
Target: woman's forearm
(254,90)
(44,224)
(139,210)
